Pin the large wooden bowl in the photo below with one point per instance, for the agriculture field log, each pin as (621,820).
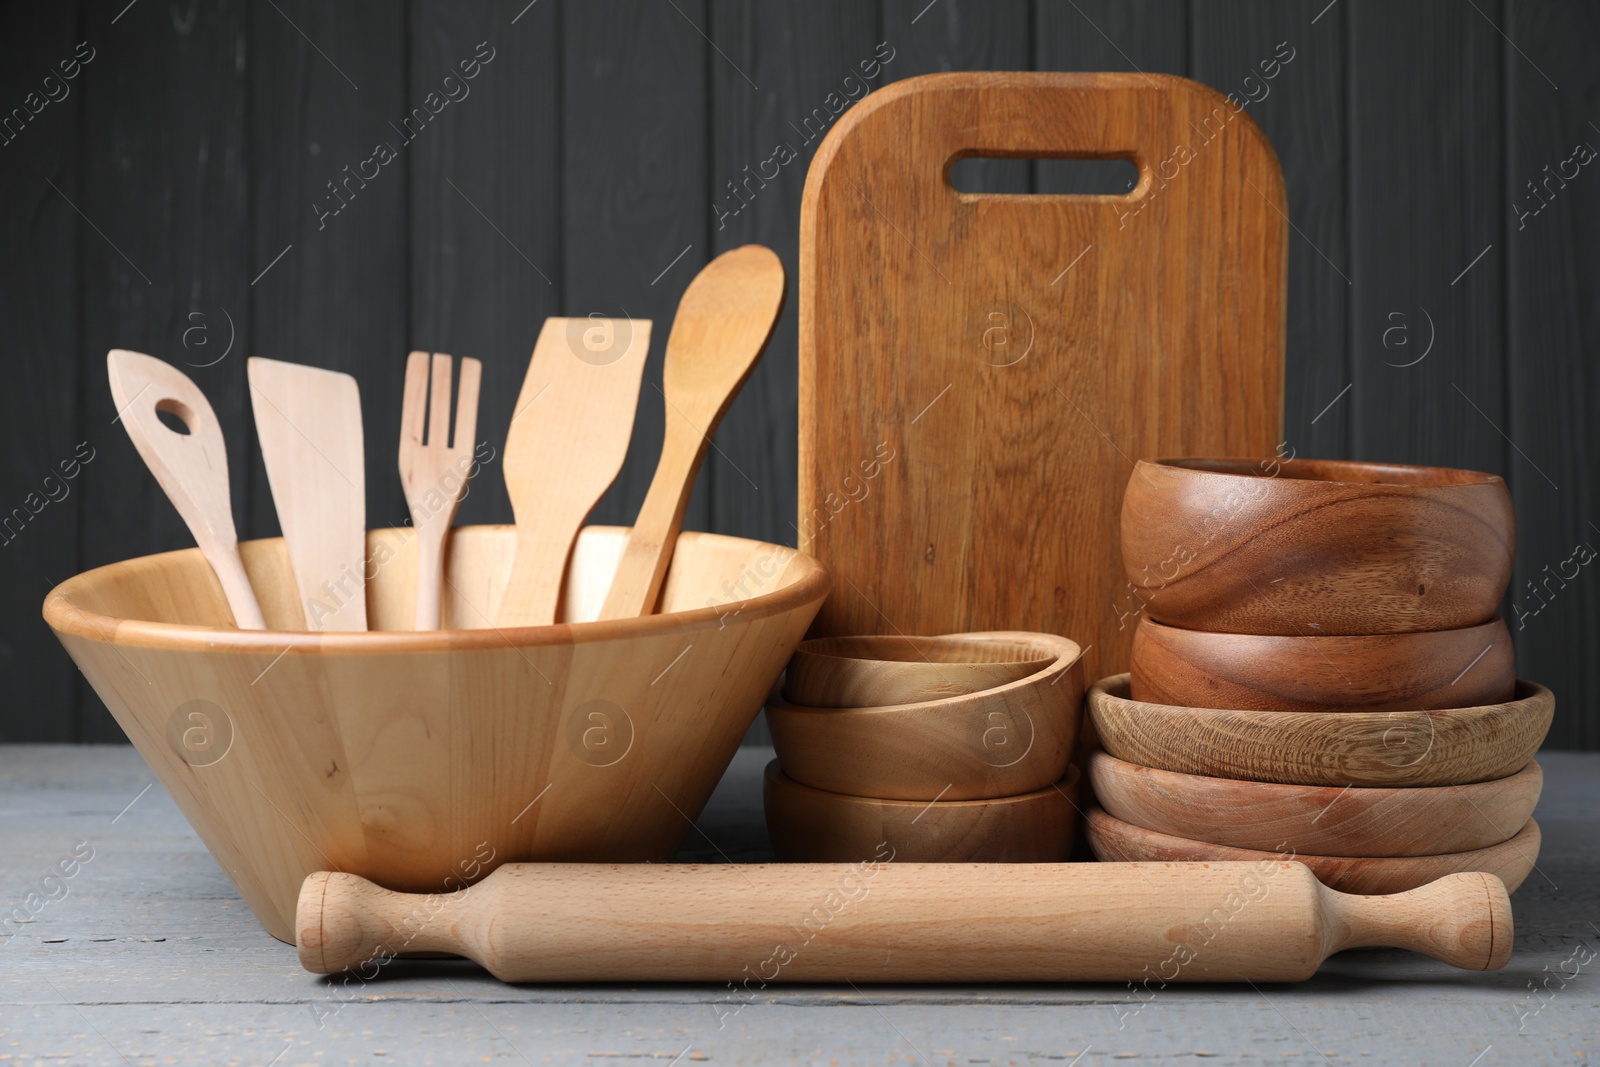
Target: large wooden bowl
(1319,820)
(423,760)
(814,826)
(1510,861)
(1462,668)
(1014,739)
(1315,546)
(1381,748)
(869,672)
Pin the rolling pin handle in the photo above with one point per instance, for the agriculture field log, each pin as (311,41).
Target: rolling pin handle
(1462,919)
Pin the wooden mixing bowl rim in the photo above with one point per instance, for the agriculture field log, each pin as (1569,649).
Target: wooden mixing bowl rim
(67,618)
(1494,622)
(1067,654)
(1063,785)
(1526,693)
(999,640)
(1420,477)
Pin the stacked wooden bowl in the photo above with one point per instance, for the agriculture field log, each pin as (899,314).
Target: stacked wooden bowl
(1318,671)
(926,749)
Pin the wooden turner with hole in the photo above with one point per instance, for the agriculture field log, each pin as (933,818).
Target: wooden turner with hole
(569,435)
(191,466)
(723,324)
(309,424)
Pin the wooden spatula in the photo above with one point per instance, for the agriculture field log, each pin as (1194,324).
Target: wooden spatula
(309,423)
(724,321)
(435,470)
(192,467)
(568,438)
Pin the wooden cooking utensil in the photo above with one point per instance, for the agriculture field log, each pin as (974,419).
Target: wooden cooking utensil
(308,421)
(435,471)
(1510,861)
(863,672)
(1315,546)
(926,922)
(814,826)
(1464,668)
(1360,748)
(724,321)
(191,467)
(1001,742)
(1316,820)
(1030,335)
(568,438)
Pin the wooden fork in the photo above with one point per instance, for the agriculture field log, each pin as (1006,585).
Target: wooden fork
(435,470)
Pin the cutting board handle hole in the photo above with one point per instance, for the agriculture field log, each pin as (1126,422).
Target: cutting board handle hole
(1031,174)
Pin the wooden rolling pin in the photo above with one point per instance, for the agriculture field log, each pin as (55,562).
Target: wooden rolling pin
(1268,921)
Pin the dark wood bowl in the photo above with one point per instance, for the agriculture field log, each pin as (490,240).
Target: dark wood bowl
(1314,546)
(1337,748)
(1463,668)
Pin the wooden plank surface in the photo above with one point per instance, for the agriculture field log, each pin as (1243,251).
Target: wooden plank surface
(168,278)
(1553,327)
(40,429)
(148,953)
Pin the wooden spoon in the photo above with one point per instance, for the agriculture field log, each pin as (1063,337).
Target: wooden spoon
(724,321)
(309,424)
(568,438)
(435,473)
(191,467)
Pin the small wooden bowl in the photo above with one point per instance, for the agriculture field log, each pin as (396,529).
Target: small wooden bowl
(1362,748)
(870,672)
(1001,742)
(814,826)
(1510,861)
(1315,546)
(1463,668)
(1318,820)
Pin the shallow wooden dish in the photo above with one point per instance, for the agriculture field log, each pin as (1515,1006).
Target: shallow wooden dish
(423,760)
(1318,820)
(869,672)
(1378,748)
(1462,668)
(1315,546)
(814,826)
(1510,861)
(1014,739)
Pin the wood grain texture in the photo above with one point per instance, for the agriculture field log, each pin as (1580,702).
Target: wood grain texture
(872,671)
(1315,546)
(1464,668)
(809,825)
(1347,748)
(485,202)
(407,756)
(436,463)
(926,922)
(567,441)
(1000,742)
(722,325)
(985,531)
(190,466)
(1317,820)
(1290,63)
(1510,861)
(308,423)
(1551,235)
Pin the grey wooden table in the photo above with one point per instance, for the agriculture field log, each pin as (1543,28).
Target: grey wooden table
(149,957)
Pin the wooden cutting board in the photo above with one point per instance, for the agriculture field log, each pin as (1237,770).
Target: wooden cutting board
(978,372)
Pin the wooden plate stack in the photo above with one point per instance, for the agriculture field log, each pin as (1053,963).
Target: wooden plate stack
(926,749)
(1318,671)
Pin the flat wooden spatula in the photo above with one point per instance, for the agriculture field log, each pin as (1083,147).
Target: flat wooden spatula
(309,424)
(192,466)
(724,321)
(569,435)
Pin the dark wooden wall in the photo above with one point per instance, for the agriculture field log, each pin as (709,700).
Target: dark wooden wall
(165,201)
